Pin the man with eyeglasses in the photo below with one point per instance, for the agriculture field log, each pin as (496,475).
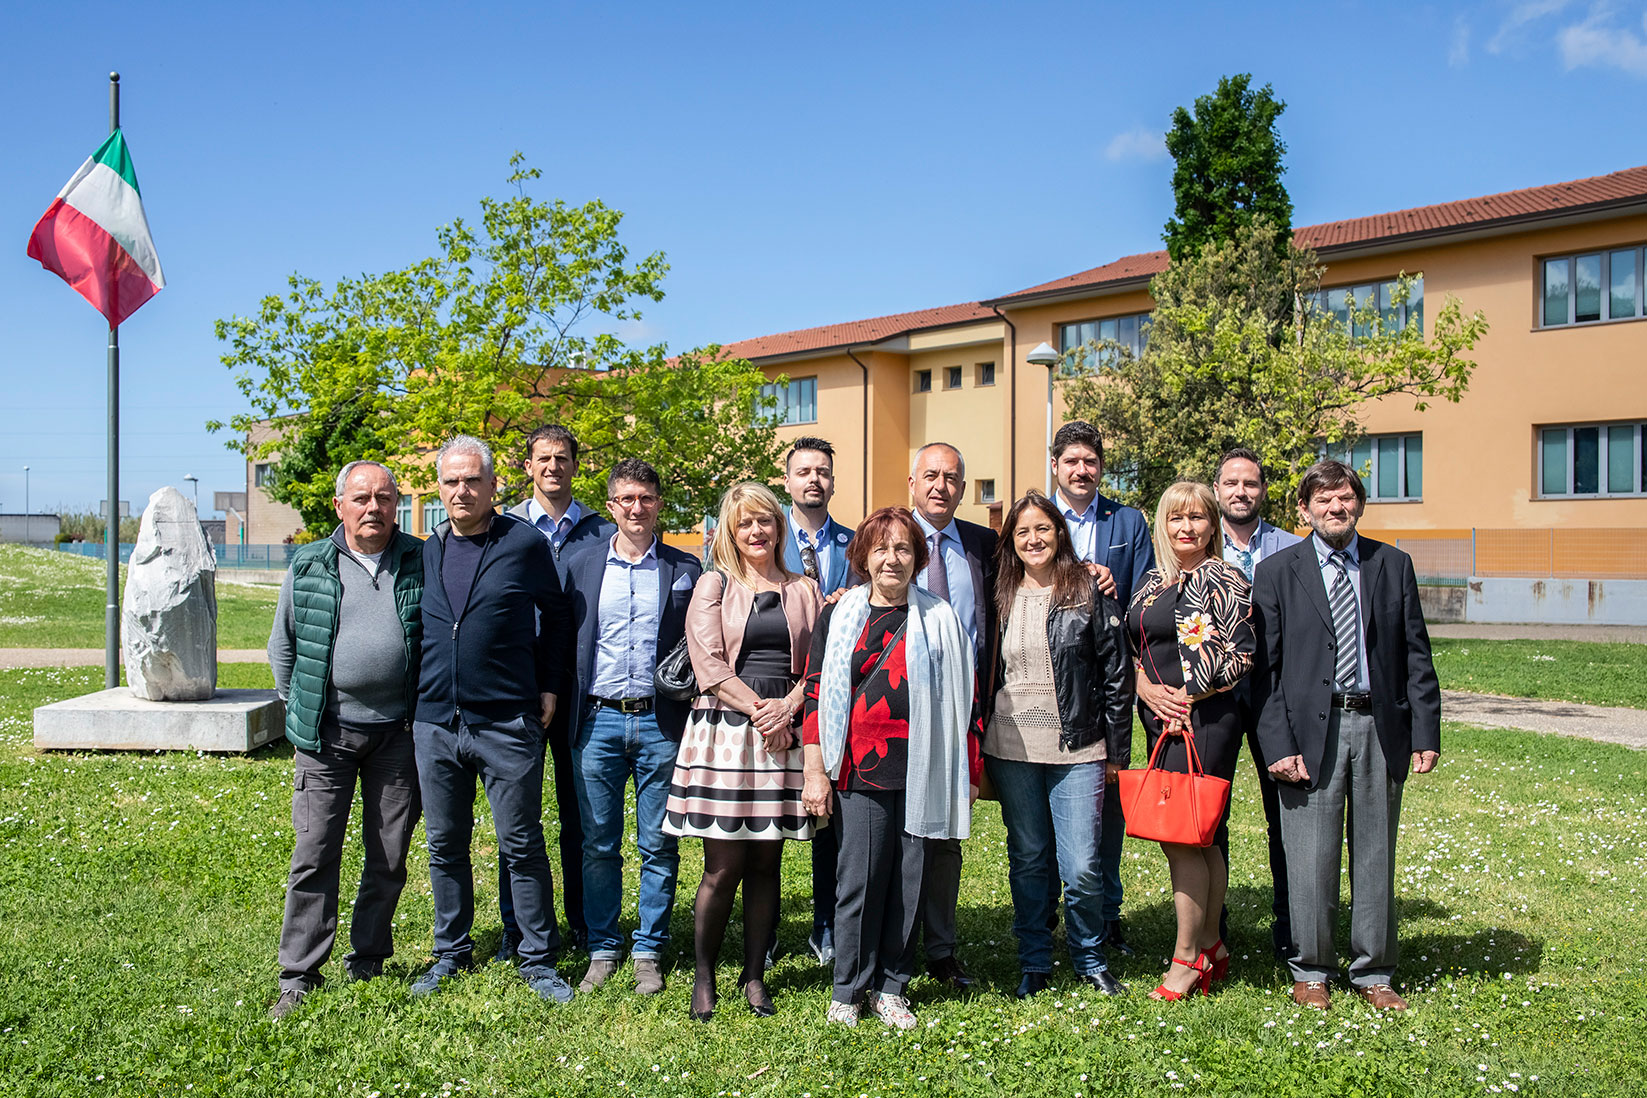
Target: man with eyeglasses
(817,549)
(629,596)
(551,464)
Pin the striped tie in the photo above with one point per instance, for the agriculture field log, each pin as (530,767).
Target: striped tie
(1345,624)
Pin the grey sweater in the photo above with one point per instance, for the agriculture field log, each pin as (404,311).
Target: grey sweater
(368,682)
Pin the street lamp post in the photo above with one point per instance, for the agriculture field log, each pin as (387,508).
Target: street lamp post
(196,482)
(1044,355)
(28,523)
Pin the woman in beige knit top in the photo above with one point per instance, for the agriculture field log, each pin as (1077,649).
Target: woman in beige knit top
(1062,696)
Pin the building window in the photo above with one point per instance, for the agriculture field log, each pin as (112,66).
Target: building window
(1594,459)
(952,377)
(1393,315)
(923,381)
(986,490)
(434,513)
(1591,288)
(1129,332)
(1391,466)
(791,402)
(260,474)
(986,373)
(403,514)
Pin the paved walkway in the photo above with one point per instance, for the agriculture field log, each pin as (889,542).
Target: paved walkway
(13,658)
(1618,634)
(1590,722)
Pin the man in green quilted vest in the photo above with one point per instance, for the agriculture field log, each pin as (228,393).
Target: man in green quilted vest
(344,651)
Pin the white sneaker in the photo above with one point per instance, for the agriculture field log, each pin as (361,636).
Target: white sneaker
(892,1009)
(844,1013)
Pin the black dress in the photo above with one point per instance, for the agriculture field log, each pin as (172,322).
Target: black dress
(1152,625)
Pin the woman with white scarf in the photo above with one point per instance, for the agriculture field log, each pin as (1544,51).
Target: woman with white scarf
(891,735)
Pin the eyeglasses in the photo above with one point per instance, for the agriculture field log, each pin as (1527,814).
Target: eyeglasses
(626,502)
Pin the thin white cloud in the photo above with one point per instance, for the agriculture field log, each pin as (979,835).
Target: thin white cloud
(1598,43)
(1458,53)
(1529,11)
(1137,144)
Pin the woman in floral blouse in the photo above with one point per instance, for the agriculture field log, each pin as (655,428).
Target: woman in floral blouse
(1190,630)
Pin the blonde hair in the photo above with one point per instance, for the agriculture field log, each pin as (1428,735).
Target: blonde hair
(741,500)
(1179,498)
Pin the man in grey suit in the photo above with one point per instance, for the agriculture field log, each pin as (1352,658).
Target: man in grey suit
(552,463)
(1348,703)
(1240,485)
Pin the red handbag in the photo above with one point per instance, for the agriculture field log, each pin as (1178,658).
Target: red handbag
(1165,806)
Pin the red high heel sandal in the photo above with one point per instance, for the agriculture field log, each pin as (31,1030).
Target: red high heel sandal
(1220,965)
(1203,982)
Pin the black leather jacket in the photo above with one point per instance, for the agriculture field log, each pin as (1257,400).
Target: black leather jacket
(1091,672)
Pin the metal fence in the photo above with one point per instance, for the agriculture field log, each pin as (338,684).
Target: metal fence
(1549,553)
(258,557)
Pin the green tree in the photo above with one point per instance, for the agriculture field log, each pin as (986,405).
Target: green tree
(1228,169)
(505,328)
(1239,354)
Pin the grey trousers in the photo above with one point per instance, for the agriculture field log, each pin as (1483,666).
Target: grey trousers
(940,896)
(1355,782)
(323,791)
(877,896)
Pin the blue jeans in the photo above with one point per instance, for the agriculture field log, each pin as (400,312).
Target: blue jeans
(508,759)
(612,747)
(1053,809)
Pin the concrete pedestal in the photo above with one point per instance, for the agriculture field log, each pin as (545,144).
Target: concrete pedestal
(115,720)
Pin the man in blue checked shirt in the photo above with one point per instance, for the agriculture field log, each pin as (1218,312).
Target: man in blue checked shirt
(629,596)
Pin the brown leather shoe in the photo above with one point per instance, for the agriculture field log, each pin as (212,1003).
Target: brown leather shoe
(1382,997)
(1311,993)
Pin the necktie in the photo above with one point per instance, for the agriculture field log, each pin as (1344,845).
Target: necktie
(937,576)
(1244,558)
(1345,623)
(809,560)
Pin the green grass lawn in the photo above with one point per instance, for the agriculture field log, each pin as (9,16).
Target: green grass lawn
(141,900)
(1596,674)
(55,600)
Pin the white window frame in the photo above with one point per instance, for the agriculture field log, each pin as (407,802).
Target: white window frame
(1346,454)
(986,490)
(260,473)
(1571,259)
(788,402)
(1603,448)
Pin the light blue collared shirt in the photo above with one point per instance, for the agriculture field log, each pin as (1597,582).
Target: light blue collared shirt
(556,532)
(1083,528)
(821,546)
(626,625)
(962,598)
(1245,559)
(1329,572)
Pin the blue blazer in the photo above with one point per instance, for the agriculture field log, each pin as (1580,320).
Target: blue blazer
(585,570)
(1122,544)
(839,574)
(1272,539)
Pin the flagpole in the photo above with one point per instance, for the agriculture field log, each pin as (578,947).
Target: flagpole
(111,524)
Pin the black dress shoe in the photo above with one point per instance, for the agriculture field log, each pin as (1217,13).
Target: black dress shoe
(1033,983)
(1114,939)
(759,999)
(948,971)
(1104,982)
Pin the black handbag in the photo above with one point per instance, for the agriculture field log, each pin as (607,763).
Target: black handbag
(674,678)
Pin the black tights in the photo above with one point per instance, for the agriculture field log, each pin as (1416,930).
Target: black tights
(726,862)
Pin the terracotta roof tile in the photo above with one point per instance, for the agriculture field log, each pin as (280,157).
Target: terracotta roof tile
(1510,206)
(855,333)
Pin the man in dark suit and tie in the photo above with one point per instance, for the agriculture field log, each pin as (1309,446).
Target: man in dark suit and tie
(1348,702)
(1115,537)
(629,596)
(552,464)
(817,549)
(961,569)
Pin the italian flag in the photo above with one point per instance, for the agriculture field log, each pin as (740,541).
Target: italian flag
(94,235)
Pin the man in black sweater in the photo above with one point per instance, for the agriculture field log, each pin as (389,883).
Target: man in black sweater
(488,687)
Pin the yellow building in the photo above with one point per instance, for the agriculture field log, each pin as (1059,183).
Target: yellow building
(1548,439)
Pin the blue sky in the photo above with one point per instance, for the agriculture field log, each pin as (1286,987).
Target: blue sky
(799,165)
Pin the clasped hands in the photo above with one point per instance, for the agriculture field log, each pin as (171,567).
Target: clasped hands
(774,719)
(1170,704)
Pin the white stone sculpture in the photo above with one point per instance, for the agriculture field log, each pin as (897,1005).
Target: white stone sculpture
(168,619)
